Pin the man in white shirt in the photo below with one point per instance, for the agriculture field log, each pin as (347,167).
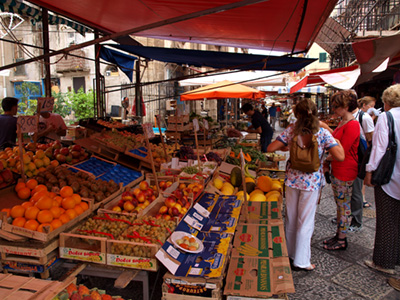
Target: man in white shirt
(357,197)
(52,126)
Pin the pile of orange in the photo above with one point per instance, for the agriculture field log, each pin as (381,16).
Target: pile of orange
(44,208)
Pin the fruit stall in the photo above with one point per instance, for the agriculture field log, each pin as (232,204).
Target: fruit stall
(116,204)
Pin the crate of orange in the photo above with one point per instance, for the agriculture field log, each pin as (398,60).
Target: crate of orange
(44,214)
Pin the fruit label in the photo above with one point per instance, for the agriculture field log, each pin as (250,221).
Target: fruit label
(27,123)
(193,222)
(198,216)
(204,212)
(196,124)
(173,252)
(46,104)
(133,262)
(85,255)
(148,130)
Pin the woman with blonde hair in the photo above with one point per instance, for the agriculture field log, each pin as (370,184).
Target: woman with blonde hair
(303,188)
(386,254)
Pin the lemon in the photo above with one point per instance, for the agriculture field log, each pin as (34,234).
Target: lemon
(249,179)
(240,195)
(218,183)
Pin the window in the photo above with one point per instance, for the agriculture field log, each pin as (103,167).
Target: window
(322,57)
(79,82)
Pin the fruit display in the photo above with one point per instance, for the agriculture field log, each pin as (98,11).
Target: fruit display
(81,292)
(121,140)
(187,152)
(188,243)
(275,156)
(136,199)
(44,210)
(81,182)
(251,155)
(157,151)
(6,177)
(109,124)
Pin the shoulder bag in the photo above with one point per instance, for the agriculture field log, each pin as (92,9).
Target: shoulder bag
(384,171)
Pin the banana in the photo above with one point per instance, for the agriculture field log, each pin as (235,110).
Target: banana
(246,172)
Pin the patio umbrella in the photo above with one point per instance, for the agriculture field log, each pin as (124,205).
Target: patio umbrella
(221,90)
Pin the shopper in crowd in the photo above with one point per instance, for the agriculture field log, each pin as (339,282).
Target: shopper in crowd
(221,112)
(386,254)
(52,126)
(264,111)
(358,201)
(304,189)
(272,115)
(258,125)
(344,172)
(8,121)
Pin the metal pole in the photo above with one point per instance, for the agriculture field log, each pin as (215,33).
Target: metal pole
(138,100)
(97,70)
(46,51)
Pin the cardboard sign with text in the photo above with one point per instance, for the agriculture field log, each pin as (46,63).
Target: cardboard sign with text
(258,277)
(45,104)
(148,130)
(27,123)
(260,240)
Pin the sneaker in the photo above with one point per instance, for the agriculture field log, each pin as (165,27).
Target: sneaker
(334,221)
(354,228)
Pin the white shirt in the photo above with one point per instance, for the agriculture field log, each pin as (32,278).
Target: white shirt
(55,121)
(379,144)
(367,125)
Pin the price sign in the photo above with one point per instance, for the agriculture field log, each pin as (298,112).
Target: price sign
(196,125)
(46,104)
(148,130)
(206,126)
(27,123)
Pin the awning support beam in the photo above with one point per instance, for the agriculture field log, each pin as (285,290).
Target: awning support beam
(165,22)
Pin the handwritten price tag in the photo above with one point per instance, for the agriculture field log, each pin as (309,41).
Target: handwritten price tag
(196,125)
(148,130)
(27,123)
(206,126)
(46,104)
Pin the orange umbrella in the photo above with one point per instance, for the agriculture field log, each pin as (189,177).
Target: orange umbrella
(223,89)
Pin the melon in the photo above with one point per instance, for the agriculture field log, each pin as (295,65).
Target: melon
(264,183)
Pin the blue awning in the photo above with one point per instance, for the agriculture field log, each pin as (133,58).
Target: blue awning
(218,60)
(124,61)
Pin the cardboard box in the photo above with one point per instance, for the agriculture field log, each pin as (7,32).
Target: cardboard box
(258,277)
(260,241)
(260,211)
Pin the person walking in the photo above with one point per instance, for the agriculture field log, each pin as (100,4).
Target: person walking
(302,188)
(386,253)
(344,172)
(358,194)
(8,121)
(272,115)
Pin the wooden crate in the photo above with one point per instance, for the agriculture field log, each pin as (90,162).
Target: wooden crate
(216,294)
(178,119)
(180,127)
(42,236)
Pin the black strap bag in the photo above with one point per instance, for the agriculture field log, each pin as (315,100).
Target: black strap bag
(384,171)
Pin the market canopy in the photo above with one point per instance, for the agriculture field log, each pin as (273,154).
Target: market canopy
(289,26)
(218,60)
(222,90)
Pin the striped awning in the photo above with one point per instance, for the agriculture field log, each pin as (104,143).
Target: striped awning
(35,15)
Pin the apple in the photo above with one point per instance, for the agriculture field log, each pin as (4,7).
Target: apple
(136,192)
(57,145)
(144,185)
(56,151)
(128,206)
(135,202)
(77,148)
(141,197)
(75,154)
(178,194)
(168,184)
(196,190)
(181,201)
(173,211)
(162,185)
(170,202)
(146,203)
(182,186)
(167,217)
(121,203)
(158,216)
(187,206)
(153,197)
(60,158)
(163,210)
(184,210)
(49,152)
(64,151)
(127,196)
(116,208)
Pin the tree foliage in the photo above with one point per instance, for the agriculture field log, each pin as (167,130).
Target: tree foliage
(27,106)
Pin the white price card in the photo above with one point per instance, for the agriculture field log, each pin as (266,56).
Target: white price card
(193,222)
(206,126)
(27,123)
(148,130)
(204,212)
(196,125)
(46,104)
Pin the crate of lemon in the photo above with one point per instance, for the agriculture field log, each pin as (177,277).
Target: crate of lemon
(262,189)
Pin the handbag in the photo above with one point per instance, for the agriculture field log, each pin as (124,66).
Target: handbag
(383,173)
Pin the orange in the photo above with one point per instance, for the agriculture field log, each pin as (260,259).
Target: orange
(64,218)
(26,204)
(40,227)
(31,212)
(54,163)
(56,211)
(78,209)
(38,188)
(56,223)
(31,224)
(66,191)
(52,195)
(58,199)
(44,216)
(20,222)
(24,193)
(77,198)
(55,203)
(68,203)
(31,183)
(17,211)
(7,210)
(84,206)
(71,213)
(19,186)
(38,195)
(44,202)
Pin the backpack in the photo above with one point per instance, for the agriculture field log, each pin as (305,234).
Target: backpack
(304,153)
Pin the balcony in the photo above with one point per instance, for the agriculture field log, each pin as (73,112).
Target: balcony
(71,63)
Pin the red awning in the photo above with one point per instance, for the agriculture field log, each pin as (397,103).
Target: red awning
(289,26)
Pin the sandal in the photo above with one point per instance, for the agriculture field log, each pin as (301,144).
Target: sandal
(331,240)
(339,244)
(372,265)
(366,204)
(308,269)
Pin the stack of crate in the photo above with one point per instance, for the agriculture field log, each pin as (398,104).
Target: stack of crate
(177,126)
